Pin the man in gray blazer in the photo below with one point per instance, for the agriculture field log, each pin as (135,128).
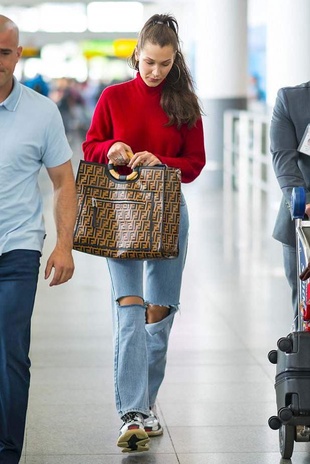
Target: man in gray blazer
(291,116)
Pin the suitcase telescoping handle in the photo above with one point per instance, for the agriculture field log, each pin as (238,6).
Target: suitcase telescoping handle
(302,223)
(298,207)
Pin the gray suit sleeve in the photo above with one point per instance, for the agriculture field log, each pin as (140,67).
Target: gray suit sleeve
(283,147)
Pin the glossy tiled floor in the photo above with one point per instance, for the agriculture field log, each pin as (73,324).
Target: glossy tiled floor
(218,393)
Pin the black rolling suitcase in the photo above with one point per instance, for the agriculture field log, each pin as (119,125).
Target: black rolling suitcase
(292,357)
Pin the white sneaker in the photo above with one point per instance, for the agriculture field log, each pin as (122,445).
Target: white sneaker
(152,425)
(133,438)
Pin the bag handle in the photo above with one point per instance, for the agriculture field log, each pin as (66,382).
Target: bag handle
(133,175)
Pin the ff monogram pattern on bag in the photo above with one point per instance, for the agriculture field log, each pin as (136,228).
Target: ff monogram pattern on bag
(136,219)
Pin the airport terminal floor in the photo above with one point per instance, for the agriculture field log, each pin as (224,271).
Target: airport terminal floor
(219,388)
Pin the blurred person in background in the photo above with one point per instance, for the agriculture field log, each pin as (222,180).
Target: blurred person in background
(38,84)
(32,135)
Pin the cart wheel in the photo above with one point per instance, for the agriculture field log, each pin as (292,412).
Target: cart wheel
(274,423)
(286,441)
(285,344)
(285,414)
(298,202)
(273,356)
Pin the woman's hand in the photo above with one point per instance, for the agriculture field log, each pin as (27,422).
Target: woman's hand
(119,154)
(143,158)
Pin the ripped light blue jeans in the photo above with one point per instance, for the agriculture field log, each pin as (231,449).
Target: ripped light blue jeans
(140,348)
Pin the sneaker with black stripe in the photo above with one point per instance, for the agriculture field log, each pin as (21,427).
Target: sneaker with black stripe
(133,437)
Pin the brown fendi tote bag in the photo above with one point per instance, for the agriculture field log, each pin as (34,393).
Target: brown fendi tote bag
(128,217)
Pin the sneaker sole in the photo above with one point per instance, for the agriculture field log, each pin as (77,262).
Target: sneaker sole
(134,441)
(155,433)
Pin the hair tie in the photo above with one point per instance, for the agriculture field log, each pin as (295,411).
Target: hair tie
(160,22)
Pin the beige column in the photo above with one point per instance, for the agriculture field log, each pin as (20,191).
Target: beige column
(288,45)
(220,69)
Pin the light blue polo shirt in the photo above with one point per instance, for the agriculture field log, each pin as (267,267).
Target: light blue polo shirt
(31,135)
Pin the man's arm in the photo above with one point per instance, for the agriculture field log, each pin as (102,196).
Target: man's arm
(284,152)
(65,208)
(283,146)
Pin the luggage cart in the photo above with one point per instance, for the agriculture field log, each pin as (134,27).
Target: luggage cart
(292,357)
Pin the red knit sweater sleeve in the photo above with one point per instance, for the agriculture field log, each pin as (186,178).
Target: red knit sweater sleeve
(192,157)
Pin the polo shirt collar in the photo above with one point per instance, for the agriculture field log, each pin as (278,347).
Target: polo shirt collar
(11,102)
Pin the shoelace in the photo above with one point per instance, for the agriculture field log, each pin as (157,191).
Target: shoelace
(129,416)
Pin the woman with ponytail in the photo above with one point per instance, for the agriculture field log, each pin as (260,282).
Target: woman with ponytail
(155,118)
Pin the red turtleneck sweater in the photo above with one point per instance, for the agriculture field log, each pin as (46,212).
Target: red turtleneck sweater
(130,112)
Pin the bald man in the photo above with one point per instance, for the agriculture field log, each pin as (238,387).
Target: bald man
(31,135)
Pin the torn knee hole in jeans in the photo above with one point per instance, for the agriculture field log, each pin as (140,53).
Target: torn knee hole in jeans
(128,300)
(156,313)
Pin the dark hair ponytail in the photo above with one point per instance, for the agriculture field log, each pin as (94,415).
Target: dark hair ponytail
(178,100)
